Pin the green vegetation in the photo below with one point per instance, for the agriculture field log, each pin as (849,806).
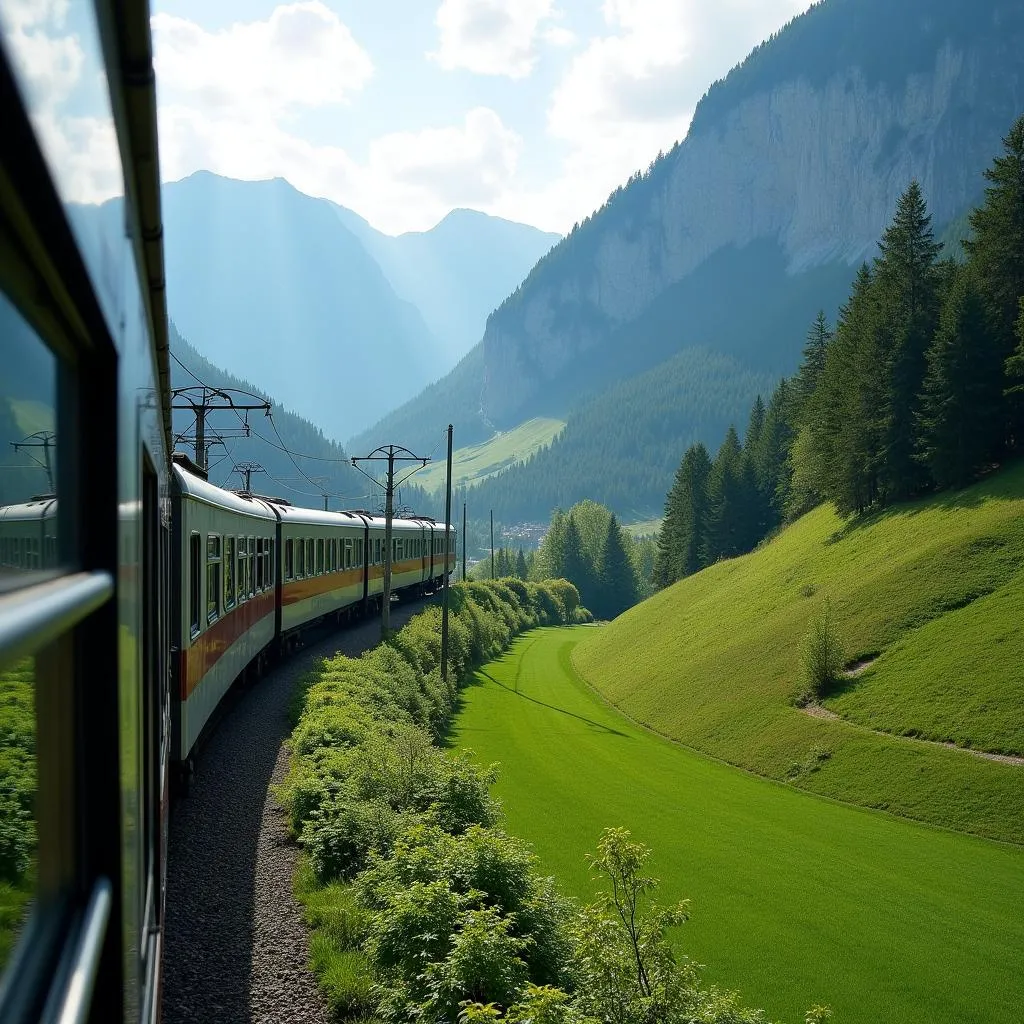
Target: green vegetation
(477,462)
(17,799)
(619,447)
(586,546)
(645,528)
(714,661)
(793,899)
(422,908)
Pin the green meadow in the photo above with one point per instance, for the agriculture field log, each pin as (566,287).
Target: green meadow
(476,462)
(795,899)
(934,589)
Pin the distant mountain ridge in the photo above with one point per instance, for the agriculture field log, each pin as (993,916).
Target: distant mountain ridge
(303,296)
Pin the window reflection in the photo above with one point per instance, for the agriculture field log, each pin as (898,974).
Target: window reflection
(28,450)
(17,799)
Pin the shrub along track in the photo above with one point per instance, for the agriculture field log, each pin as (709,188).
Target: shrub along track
(236,947)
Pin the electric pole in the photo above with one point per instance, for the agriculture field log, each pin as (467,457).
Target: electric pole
(390,454)
(45,439)
(201,400)
(246,470)
(492,543)
(463,542)
(447,567)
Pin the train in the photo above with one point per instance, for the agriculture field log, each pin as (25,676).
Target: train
(133,592)
(251,573)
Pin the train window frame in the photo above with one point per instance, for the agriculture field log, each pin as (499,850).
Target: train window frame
(250,552)
(320,564)
(289,557)
(310,557)
(214,577)
(195,569)
(271,566)
(300,559)
(229,573)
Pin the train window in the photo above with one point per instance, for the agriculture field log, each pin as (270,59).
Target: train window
(348,554)
(213,577)
(260,565)
(319,556)
(195,580)
(271,568)
(334,554)
(310,559)
(359,552)
(300,559)
(240,570)
(250,570)
(28,450)
(289,559)
(229,572)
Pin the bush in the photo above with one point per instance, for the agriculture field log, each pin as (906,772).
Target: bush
(822,654)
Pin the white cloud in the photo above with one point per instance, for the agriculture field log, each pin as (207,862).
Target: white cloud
(495,37)
(469,163)
(301,56)
(409,180)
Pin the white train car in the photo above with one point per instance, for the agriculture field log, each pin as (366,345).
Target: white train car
(410,567)
(323,564)
(226,601)
(28,535)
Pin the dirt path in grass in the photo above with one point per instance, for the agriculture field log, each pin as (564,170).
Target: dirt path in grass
(817,711)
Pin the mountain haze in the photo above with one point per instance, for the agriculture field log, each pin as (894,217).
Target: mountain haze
(305,298)
(456,273)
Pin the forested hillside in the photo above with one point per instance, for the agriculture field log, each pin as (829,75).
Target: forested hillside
(918,388)
(620,447)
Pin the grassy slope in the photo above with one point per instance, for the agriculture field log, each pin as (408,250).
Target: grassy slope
(646,528)
(935,586)
(479,461)
(795,899)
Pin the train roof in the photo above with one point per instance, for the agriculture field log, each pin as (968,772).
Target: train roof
(211,494)
(37,508)
(317,517)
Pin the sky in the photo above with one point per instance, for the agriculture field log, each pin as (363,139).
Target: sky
(402,110)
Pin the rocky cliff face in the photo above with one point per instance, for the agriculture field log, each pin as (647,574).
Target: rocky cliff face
(814,166)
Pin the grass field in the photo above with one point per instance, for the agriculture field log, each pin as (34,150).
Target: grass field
(479,461)
(936,587)
(647,528)
(795,899)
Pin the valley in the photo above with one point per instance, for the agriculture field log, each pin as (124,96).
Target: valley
(795,899)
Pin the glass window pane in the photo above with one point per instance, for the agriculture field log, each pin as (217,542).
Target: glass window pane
(229,572)
(28,450)
(212,577)
(17,798)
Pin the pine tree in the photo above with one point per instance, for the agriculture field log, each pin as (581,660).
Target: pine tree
(522,570)
(959,422)
(813,362)
(839,450)
(681,538)
(906,291)
(726,532)
(577,566)
(996,253)
(617,579)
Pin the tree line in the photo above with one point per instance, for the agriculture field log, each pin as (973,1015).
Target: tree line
(918,387)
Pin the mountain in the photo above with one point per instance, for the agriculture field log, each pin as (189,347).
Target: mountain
(304,297)
(735,238)
(456,273)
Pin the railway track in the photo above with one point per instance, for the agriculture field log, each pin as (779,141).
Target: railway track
(236,947)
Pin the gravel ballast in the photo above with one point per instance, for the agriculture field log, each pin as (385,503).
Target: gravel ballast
(236,949)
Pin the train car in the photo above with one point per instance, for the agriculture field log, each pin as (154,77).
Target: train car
(83,624)
(225,598)
(323,565)
(28,535)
